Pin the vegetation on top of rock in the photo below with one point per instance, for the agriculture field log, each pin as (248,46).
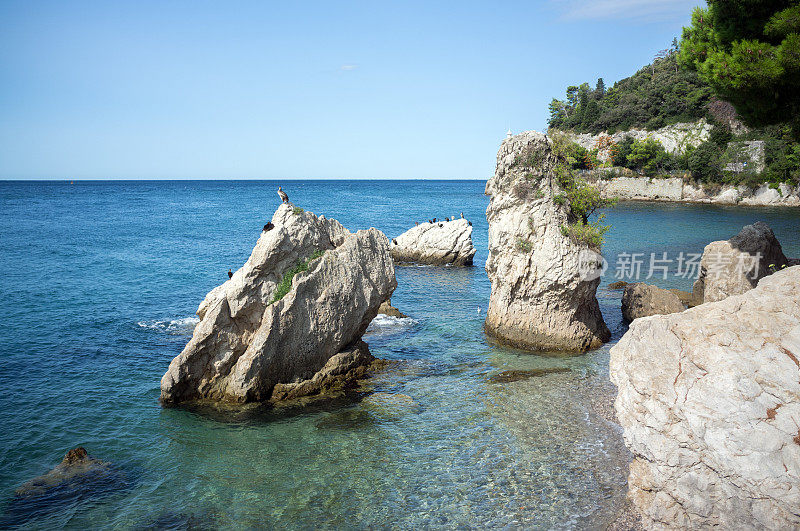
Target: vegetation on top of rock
(285,285)
(659,94)
(749,53)
(298,210)
(583,198)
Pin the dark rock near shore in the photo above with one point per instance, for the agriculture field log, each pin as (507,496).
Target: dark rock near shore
(644,300)
(620,284)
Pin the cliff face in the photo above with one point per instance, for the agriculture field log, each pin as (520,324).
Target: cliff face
(675,138)
(440,243)
(710,403)
(247,342)
(539,299)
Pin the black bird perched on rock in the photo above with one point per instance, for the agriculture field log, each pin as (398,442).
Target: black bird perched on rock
(268,226)
(230,273)
(283,196)
(462,215)
(429,221)
(434,220)
(416,223)
(447,219)
(394,241)
(469,223)
(440,225)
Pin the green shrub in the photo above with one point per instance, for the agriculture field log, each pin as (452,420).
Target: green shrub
(704,162)
(590,234)
(648,156)
(285,285)
(524,245)
(298,210)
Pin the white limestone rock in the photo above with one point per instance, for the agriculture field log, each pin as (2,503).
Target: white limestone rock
(540,299)
(734,266)
(440,243)
(709,400)
(245,344)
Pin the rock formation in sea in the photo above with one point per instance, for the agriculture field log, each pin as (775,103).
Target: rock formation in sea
(644,300)
(734,266)
(541,297)
(290,319)
(709,400)
(386,308)
(440,243)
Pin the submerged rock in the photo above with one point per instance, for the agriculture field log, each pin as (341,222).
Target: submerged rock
(442,243)
(709,400)
(735,266)
(643,300)
(265,327)
(619,284)
(541,299)
(78,479)
(517,375)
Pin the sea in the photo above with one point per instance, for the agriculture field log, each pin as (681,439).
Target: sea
(101,281)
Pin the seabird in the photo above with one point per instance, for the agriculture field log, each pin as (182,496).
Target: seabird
(447,219)
(429,221)
(283,196)
(416,223)
(470,223)
(230,273)
(394,241)
(440,225)
(462,215)
(434,220)
(269,226)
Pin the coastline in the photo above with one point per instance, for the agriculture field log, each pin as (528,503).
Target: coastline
(676,190)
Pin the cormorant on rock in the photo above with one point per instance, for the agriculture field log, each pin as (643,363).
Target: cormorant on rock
(394,241)
(283,196)
(269,226)
(469,223)
(230,273)
(462,215)
(434,220)
(440,225)
(429,221)
(416,223)
(447,219)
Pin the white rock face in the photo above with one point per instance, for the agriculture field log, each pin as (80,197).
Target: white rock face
(675,138)
(710,403)
(440,243)
(539,300)
(245,345)
(735,266)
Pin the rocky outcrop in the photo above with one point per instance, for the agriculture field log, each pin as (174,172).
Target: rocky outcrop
(709,400)
(386,308)
(307,293)
(734,266)
(541,299)
(644,300)
(440,243)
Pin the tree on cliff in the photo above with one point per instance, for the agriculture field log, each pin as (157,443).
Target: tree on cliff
(748,51)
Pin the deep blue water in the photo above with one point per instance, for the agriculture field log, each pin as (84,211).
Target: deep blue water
(100,281)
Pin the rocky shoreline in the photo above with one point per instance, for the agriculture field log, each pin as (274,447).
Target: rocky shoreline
(676,190)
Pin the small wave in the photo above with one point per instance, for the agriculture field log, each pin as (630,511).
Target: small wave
(184,326)
(386,324)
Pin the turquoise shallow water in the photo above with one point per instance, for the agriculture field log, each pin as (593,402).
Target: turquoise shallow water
(100,283)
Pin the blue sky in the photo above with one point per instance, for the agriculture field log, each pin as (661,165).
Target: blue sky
(177,90)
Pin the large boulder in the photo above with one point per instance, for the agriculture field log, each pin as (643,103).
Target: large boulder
(541,297)
(247,342)
(709,400)
(734,266)
(440,243)
(644,300)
